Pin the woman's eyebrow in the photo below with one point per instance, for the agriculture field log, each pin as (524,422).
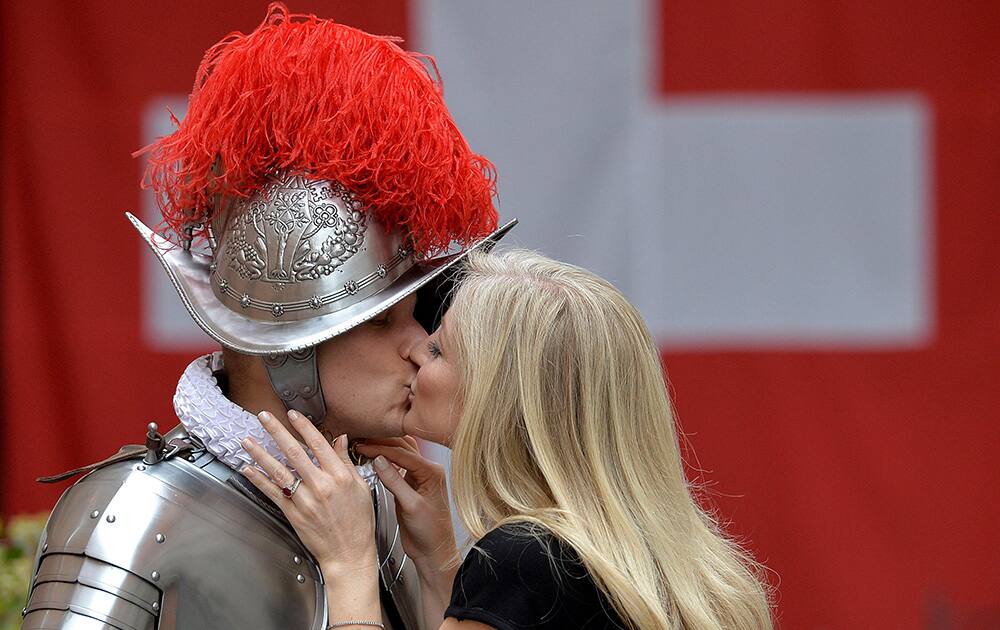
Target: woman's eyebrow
(444,330)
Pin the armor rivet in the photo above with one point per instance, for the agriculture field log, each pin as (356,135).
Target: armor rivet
(155,575)
(45,547)
(191,458)
(111,518)
(24,611)
(160,538)
(301,578)
(307,389)
(95,514)
(140,467)
(297,560)
(156,606)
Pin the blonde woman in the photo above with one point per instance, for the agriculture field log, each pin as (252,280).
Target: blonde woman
(545,383)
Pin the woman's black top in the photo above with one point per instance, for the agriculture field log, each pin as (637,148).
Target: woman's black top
(521,576)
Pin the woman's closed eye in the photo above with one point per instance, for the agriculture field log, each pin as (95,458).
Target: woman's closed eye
(434,348)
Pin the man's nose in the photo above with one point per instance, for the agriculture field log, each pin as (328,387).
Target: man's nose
(414,346)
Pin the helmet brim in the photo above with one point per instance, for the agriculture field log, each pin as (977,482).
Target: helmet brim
(190,274)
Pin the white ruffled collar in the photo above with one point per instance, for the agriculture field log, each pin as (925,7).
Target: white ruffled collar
(220,423)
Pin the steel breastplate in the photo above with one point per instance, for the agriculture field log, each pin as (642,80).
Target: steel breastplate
(181,545)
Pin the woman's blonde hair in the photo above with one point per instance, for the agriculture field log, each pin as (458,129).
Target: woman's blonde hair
(567,424)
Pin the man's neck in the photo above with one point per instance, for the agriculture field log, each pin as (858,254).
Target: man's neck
(250,388)
(255,398)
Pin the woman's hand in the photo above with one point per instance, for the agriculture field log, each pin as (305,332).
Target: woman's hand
(331,510)
(421,500)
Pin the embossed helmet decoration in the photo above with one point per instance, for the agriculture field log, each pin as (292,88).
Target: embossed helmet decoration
(326,175)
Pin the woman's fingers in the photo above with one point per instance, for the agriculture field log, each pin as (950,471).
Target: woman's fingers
(341,451)
(412,441)
(263,484)
(275,470)
(289,446)
(399,455)
(406,497)
(418,468)
(314,440)
(403,442)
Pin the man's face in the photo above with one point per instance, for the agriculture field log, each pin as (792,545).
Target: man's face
(366,374)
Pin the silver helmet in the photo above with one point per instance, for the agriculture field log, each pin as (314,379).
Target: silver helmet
(298,262)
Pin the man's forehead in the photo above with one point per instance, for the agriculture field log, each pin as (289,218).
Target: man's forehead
(406,303)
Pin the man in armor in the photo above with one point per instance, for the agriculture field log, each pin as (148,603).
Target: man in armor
(319,191)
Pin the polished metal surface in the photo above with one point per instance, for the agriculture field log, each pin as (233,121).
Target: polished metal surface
(397,573)
(190,549)
(190,273)
(96,574)
(90,602)
(295,379)
(298,248)
(155,444)
(223,562)
(52,619)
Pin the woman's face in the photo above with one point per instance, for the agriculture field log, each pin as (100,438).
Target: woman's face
(435,405)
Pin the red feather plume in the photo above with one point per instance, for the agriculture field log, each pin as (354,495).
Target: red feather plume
(311,96)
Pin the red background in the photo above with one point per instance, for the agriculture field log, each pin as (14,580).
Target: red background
(867,481)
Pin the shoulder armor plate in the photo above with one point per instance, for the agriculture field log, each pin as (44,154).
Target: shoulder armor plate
(168,546)
(187,543)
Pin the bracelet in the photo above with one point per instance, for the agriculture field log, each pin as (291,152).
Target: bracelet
(344,624)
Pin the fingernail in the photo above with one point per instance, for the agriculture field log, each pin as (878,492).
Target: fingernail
(265,417)
(294,415)
(246,469)
(343,440)
(247,442)
(381,463)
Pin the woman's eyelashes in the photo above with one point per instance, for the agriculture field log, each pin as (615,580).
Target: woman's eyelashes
(433,348)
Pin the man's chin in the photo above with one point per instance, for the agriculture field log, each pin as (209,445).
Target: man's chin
(377,435)
(371,430)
